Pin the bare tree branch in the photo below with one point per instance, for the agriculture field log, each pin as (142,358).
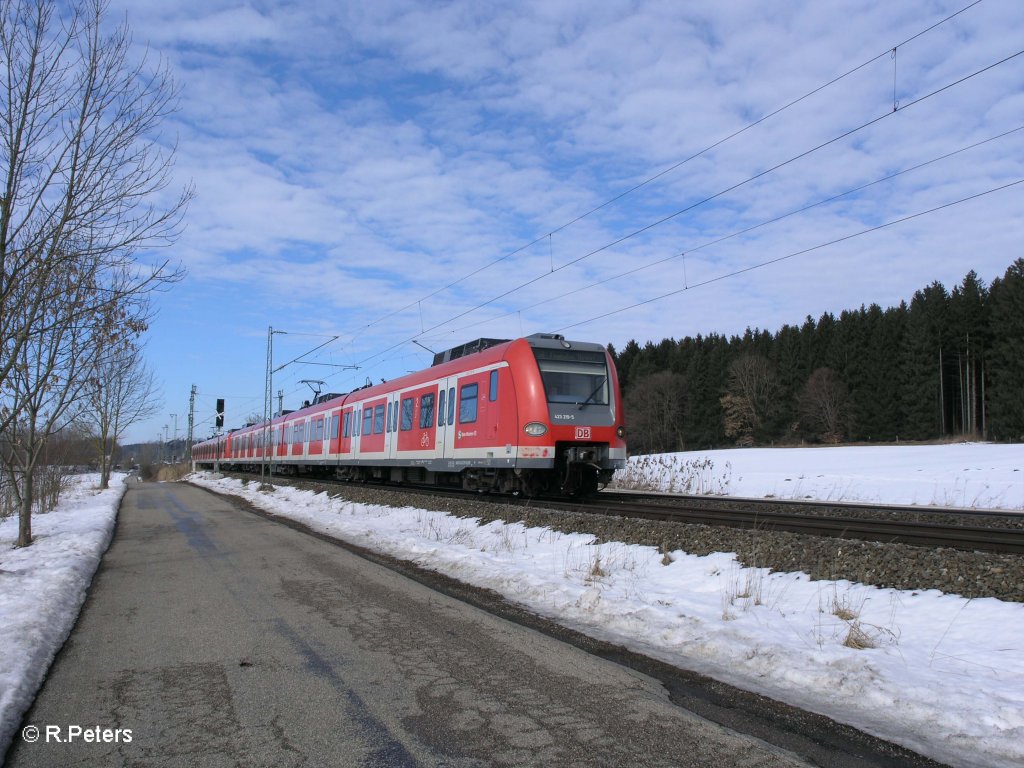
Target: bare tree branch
(84,176)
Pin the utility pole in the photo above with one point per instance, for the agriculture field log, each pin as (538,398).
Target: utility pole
(191,425)
(268,406)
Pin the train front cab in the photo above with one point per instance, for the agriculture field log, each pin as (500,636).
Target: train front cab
(573,434)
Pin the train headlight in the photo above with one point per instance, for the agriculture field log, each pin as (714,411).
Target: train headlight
(536,429)
(620,432)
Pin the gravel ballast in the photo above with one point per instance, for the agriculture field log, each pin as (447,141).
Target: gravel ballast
(900,566)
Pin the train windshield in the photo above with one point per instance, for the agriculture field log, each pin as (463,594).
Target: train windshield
(573,376)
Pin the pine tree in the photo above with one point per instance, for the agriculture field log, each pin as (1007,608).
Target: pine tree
(624,362)
(793,372)
(969,335)
(1006,359)
(922,392)
(706,375)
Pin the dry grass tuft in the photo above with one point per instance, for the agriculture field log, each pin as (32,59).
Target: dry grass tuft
(857,637)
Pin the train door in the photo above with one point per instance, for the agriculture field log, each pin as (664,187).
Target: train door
(446,418)
(347,430)
(335,433)
(357,420)
(391,427)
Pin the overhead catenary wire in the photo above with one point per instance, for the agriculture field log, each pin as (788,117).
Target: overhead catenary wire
(845,134)
(651,179)
(746,230)
(779,259)
(794,254)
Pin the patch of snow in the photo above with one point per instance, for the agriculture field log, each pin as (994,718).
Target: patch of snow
(43,587)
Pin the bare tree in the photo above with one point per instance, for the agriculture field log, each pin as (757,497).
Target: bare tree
(83,183)
(751,399)
(122,392)
(41,387)
(823,405)
(655,405)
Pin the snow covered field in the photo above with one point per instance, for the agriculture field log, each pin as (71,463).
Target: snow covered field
(944,675)
(979,475)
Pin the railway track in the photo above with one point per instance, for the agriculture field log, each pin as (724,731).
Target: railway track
(967,530)
(891,525)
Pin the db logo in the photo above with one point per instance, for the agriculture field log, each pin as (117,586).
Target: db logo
(582,433)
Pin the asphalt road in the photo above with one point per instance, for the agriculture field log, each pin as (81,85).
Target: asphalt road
(220,638)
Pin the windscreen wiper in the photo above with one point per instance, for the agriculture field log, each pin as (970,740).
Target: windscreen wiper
(590,397)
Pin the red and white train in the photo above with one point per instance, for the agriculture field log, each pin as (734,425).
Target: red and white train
(535,415)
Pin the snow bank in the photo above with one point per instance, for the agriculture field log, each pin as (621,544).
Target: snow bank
(42,588)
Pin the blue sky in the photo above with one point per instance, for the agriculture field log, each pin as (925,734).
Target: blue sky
(356,165)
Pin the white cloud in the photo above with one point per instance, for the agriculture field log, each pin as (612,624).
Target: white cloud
(375,153)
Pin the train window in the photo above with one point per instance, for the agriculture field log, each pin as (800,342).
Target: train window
(451,405)
(319,434)
(579,377)
(334,426)
(367,421)
(408,406)
(440,408)
(387,427)
(346,427)
(492,392)
(427,411)
(378,420)
(467,403)
(394,417)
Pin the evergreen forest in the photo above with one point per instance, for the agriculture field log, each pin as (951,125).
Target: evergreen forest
(950,364)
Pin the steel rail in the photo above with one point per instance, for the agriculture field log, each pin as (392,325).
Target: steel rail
(912,532)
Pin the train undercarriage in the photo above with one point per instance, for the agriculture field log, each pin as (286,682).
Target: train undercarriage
(578,471)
